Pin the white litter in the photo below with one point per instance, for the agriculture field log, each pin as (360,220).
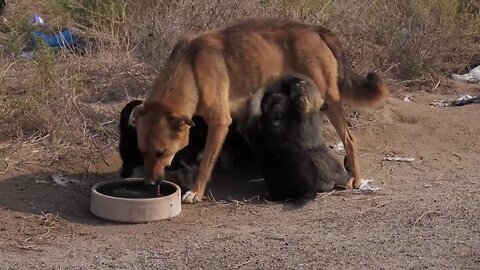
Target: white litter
(399,159)
(471,77)
(439,103)
(463,100)
(59,179)
(365,185)
(408,98)
(338,147)
(40,181)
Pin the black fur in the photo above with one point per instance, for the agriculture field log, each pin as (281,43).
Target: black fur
(289,147)
(185,164)
(130,154)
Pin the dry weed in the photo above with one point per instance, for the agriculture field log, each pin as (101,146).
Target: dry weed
(72,101)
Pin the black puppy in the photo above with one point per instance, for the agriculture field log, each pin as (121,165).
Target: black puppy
(285,131)
(132,159)
(185,164)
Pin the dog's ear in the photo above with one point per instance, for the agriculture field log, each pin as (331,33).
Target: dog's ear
(179,121)
(138,111)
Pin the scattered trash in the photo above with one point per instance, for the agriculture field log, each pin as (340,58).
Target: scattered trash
(365,185)
(338,147)
(408,98)
(471,77)
(40,181)
(463,100)
(466,99)
(27,54)
(59,179)
(62,39)
(439,103)
(399,159)
(37,20)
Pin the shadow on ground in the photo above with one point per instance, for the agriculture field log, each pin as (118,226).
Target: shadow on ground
(38,193)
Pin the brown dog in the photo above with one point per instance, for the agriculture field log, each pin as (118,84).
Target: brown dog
(214,75)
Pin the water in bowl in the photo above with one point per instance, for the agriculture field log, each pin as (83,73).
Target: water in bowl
(135,190)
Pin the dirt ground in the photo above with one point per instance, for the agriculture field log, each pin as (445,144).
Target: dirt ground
(425,216)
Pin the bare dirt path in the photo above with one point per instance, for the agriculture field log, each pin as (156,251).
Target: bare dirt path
(426,215)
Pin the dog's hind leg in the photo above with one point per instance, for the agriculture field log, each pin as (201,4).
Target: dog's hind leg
(335,114)
(337,118)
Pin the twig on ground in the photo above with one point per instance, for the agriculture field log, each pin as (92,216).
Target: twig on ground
(307,220)
(276,238)
(324,196)
(165,252)
(213,197)
(254,197)
(399,159)
(440,175)
(366,198)
(422,216)
(436,86)
(6,169)
(383,166)
(376,207)
(28,247)
(457,155)
(244,263)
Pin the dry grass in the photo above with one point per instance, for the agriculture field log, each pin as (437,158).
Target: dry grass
(72,100)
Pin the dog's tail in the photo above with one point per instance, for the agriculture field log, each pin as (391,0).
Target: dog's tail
(354,89)
(126,112)
(363,91)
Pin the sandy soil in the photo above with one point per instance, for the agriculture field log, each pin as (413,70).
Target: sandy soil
(425,216)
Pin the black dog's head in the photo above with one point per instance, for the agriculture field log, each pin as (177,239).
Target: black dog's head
(286,134)
(290,113)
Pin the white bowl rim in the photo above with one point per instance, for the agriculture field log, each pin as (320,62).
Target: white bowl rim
(159,199)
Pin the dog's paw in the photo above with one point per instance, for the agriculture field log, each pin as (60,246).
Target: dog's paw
(357,183)
(303,103)
(191,197)
(349,185)
(353,183)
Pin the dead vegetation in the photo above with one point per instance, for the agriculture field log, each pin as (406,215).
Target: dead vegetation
(69,101)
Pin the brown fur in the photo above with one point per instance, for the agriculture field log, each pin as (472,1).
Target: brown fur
(215,73)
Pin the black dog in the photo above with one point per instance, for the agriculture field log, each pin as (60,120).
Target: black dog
(132,159)
(185,164)
(285,132)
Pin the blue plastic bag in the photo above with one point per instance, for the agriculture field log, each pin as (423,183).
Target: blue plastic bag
(62,39)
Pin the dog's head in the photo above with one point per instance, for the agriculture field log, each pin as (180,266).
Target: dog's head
(289,110)
(161,134)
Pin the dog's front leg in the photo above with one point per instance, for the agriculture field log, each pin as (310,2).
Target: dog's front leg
(217,132)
